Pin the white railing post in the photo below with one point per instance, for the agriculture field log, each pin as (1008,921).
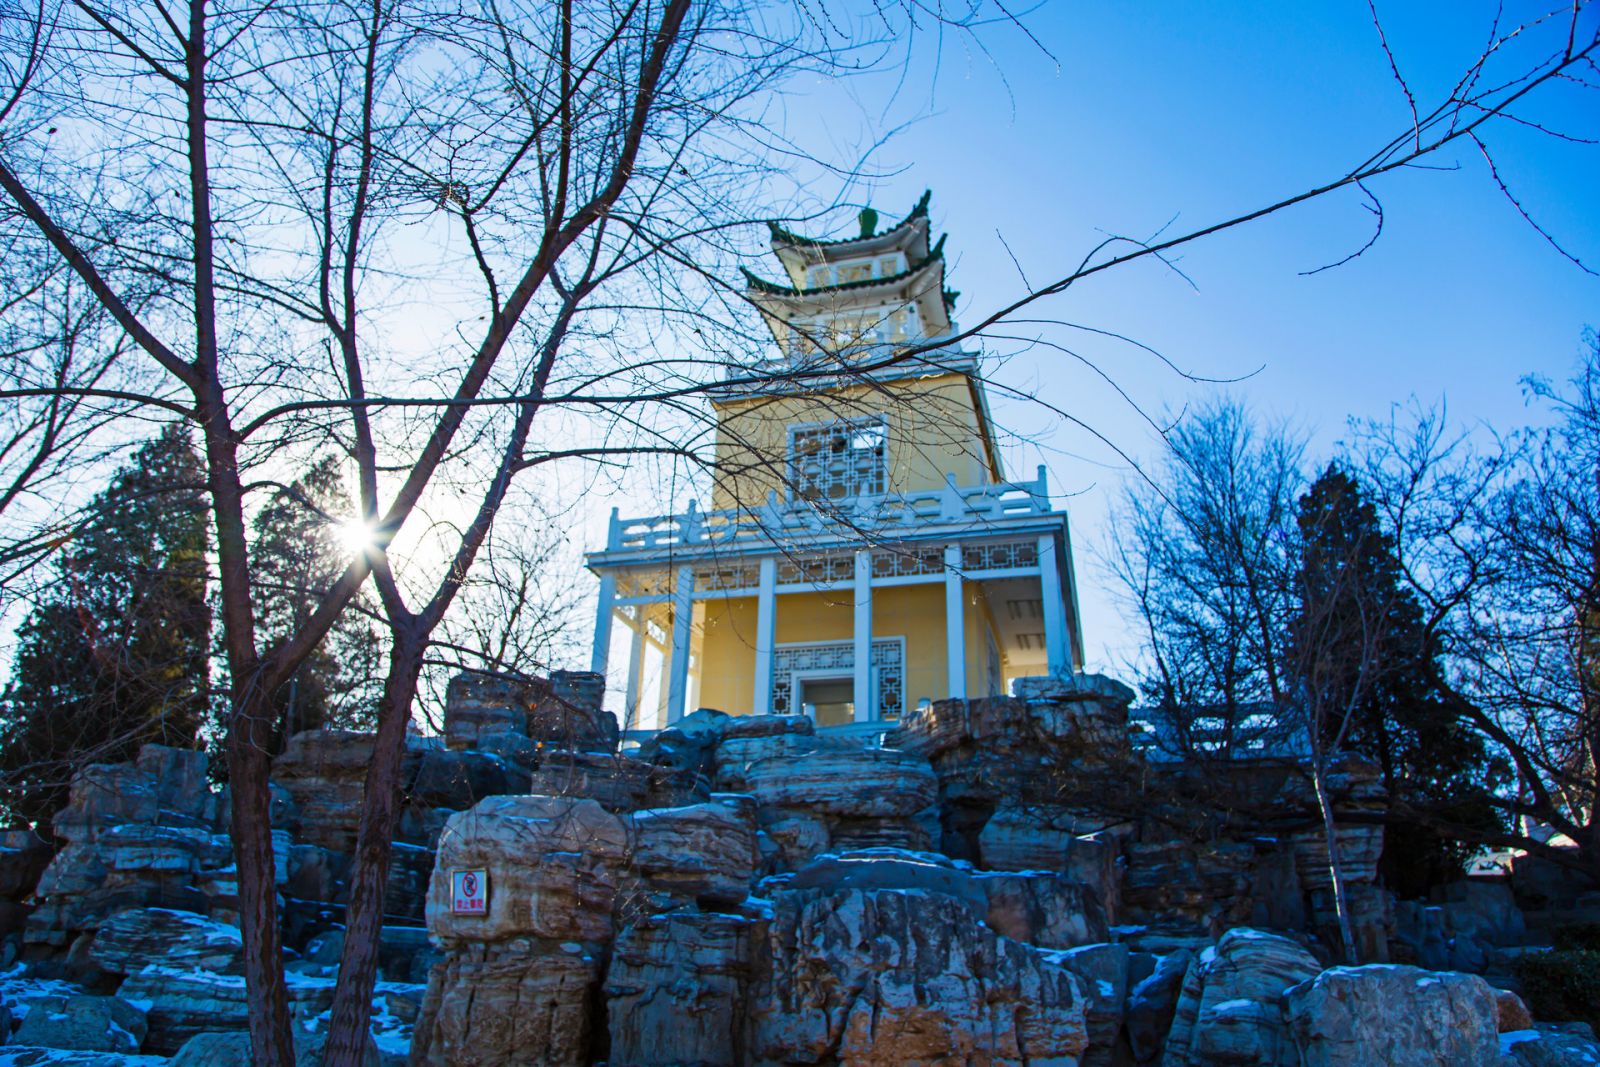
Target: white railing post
(1056,638)
(955,624)
(602,622)
(682,631)
(766,633)
(951,503)
(630,705)
(865,703)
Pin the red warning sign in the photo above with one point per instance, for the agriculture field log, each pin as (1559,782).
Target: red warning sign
(469,892)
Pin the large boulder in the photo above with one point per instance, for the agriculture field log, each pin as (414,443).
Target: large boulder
(446,778)
(233,1050)
(553,863)
(676,988)
(860,783)
(565,715)
(1547,1047)
(499,1004)
(1398,1016)
(138,938)
(324,772)
(701,852)
(180,1004)
(83,1023)
(873,977)
(1230,1010)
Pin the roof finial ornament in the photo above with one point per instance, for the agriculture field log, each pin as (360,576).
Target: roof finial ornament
(869,222)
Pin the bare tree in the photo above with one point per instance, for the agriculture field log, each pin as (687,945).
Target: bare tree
(1204,554)
(1501,548)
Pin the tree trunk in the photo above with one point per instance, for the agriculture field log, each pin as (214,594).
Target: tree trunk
(249,766)
(380,811)
(1341,903)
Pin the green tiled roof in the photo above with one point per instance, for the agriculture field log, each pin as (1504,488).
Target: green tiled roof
(786,237)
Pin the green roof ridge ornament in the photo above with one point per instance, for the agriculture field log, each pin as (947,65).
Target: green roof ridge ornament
(922,205)
(869,222)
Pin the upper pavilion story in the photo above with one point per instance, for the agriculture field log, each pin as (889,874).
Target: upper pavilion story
(863,550)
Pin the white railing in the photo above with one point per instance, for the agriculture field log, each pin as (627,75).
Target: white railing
(795,371)
(883,514)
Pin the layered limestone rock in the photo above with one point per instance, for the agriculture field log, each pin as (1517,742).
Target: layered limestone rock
(1399,1016)
(874,977)
(676,990)
(520,982)
(132,940)
(138,834)
(507,1002)
(553,863)
(1037,907)
(497,713)
(699,853)
(1231,1007)
(324,773)
(82,1023)
(181,1004)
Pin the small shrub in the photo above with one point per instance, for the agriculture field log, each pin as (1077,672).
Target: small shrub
(1562,985)
(1578,937)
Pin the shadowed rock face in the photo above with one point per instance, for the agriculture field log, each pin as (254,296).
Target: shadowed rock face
(877,976)
(1230,1010)
(1402,1016)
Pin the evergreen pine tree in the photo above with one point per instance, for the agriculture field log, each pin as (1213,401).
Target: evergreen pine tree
(1358,644)
(117,655)
(299,549)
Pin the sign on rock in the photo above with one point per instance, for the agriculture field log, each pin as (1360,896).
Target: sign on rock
(469,891)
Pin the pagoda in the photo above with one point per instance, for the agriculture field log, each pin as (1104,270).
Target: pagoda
(863,552)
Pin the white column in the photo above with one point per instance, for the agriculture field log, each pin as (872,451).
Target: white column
(865,699)
(630,707)
(682,627)
(766,634)
(602,622)
(955,623)
(1057,640)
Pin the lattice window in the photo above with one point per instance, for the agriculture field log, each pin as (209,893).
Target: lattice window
(1002,555)
(839,460)
(888,670)
(901,562)
(816,570)
(735,574)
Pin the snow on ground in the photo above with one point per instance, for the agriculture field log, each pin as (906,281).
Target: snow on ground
(19,1056)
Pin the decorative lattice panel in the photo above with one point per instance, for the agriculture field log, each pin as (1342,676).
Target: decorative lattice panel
(888,669)
(1001,555)
(903,562)
(816,569)
(839,460)
(716,577)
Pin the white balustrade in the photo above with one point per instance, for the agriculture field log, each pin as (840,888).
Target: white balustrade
(974,505)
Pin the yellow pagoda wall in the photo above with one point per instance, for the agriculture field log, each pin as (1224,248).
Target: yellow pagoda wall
(726,637)
(934,425)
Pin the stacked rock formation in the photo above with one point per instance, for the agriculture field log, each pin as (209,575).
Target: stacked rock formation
(1000,881)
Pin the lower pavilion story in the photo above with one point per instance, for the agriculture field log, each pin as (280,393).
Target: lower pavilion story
(848,638)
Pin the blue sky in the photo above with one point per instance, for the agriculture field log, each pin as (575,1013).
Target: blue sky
(1144,113)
